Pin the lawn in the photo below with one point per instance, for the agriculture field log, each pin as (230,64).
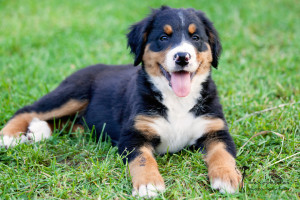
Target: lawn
(42,42)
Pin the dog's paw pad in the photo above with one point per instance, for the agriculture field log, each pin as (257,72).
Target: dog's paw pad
(38,130)
(149,190)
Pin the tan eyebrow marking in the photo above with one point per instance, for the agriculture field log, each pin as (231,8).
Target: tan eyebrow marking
(192,28)
(168,29)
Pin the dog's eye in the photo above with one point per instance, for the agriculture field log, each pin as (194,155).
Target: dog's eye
(195,38)
(163,38)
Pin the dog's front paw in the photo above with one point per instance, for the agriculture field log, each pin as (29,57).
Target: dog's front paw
(225,179)
(146,179)
(148,190)
(148,184)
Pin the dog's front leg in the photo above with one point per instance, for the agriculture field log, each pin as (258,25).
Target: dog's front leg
(222,170)
(220,159)
(146,179)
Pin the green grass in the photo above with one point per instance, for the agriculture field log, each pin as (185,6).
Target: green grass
(42,42)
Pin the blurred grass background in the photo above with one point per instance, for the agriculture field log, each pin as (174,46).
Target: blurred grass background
(42,42)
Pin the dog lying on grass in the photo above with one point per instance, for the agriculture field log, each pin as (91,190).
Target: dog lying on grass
(167,103)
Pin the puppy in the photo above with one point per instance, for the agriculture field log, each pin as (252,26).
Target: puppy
(167,103)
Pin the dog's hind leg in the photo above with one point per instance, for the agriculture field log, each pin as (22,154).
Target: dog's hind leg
(70,98)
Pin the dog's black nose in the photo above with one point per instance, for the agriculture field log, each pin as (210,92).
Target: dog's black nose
(182,58)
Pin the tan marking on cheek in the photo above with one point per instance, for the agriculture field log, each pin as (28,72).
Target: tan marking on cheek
(205,59)
(143,124)
(168,29)
(192,28)
(20,123)
(221,165)
(151,61)
(215,124)
(144,169)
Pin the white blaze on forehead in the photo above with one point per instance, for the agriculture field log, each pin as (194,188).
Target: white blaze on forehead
(181,17)
(186,47)
(180,14)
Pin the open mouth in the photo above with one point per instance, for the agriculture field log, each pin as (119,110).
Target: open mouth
(179,81)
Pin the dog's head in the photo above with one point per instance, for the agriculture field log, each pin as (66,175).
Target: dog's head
(177,44)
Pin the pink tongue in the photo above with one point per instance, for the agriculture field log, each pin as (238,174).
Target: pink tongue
(181,83)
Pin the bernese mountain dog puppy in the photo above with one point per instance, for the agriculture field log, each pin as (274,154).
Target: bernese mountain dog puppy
(167,103)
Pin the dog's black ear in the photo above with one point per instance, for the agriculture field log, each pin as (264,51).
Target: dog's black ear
(213,38)
(137,38)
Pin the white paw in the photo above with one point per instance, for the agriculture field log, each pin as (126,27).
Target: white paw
(148,190)
(8,141)
(223,187)
(38,130)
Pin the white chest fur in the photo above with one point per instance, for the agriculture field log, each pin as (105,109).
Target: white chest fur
(181,128)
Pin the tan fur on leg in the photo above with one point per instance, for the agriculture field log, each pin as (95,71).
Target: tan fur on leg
(146,178)
(222,170)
